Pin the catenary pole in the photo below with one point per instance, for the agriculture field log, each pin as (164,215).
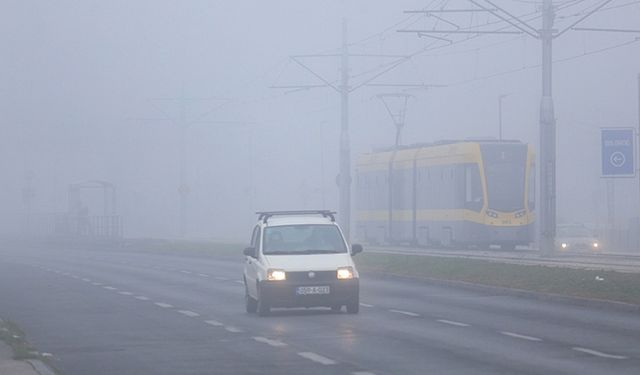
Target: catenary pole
(547,136)
(344,179)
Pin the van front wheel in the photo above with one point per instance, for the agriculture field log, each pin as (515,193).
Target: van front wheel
(262,307)
(251,305)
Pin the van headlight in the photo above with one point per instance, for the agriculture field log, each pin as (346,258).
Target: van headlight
(564,245)
(276,275)
(345,273)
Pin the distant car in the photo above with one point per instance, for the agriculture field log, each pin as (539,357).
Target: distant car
(570,237)
(300,259)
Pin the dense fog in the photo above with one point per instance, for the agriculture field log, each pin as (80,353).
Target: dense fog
(98,90)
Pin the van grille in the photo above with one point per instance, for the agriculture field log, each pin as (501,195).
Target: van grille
(318,276)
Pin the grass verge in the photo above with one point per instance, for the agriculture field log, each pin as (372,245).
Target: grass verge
(11,334)
(591,284)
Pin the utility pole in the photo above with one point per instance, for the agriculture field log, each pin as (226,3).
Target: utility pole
(344,178)
(638,143)
(546,35)
(183,122)
(344,88)
(547,137)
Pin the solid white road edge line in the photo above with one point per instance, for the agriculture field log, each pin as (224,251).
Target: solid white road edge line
(317,358)
(598,354)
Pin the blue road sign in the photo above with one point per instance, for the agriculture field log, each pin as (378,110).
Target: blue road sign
(617,152)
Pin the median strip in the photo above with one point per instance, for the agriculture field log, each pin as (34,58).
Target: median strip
(601,285)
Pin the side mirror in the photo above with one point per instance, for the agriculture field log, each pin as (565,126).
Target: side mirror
(250,252)
(356,248)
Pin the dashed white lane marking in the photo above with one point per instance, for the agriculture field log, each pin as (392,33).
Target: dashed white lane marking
(598,354)
(214,323)
(267,341)
(162,304)
(188,313)
(96,284)
(125,293)
(109,288)
(75,277)
(142,298)
(221,278)
(317,358)
(86,280)
(453,323)
(203,275)
(519,336)
(233,329)
(238,282)
(408,313)
(186,272)
(365,305)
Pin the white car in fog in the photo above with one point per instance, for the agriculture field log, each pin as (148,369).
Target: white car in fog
(300,259)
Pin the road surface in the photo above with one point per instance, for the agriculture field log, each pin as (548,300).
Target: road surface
(105,312)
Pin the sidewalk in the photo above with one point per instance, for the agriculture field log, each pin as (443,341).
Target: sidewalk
(9,366)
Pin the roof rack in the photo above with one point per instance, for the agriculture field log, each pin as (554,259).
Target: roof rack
(265,215)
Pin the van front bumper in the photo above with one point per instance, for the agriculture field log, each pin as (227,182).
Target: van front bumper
(284,293)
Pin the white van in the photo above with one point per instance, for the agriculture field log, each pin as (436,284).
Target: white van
(300,259)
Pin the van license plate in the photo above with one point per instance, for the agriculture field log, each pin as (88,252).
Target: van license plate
(304,290)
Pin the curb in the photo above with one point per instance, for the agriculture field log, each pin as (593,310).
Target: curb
(576,301)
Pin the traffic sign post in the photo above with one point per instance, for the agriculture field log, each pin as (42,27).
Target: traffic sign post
(618,152)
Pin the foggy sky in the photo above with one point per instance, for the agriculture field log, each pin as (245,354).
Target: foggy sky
(84,83)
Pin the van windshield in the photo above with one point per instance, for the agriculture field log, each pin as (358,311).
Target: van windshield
(303,239)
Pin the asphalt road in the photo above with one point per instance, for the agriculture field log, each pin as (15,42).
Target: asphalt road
(112,312)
